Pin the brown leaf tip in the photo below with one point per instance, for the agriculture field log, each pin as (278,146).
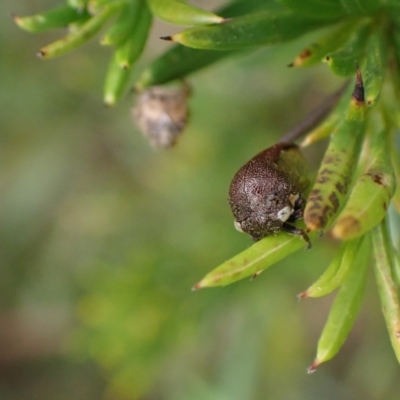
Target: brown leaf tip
(197,286)
(302,295)
(166,38)
(312,368)
(358,93)
(254,276)
(41,54)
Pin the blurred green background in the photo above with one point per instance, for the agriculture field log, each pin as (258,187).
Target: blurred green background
(101,239)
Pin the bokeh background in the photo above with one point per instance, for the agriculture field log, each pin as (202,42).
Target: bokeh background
(101,239)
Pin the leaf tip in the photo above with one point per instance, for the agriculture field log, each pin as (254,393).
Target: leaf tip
(254,276)
(358,93)
(16,18)
(103,41)
(109,100)
(313,367)
(41,54)
(347,227)
(197,286)
(169,38)
(302,295)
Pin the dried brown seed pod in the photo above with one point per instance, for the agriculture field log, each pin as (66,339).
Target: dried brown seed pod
(161,114)
(266,193)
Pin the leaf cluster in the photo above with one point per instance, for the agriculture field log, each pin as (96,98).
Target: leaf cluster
(356,182)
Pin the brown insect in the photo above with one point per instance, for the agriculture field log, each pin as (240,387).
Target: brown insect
(265,195)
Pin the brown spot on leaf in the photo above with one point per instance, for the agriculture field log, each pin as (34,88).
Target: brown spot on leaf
(332,159)
(340,188)
(377,178)
(327,171)
(358,93)
(323,179)
(305,54)
(334,201)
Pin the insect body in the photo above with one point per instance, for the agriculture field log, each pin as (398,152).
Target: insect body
(266,193)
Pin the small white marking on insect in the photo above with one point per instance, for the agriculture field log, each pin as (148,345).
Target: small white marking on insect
(284,214)
(238,226)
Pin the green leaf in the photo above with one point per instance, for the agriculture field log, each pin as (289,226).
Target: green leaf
(262,28)
(361,7)
(315,52)
(81,35)
(130,50)
(180,61)
(388,292)
(116,81)
(78,4)
(124,24)
(179,13)
(328,9)
(344,311)
(337,272)
(377,49)
(337,167)
(253,260)
(343,60)
(58,17)
(372,191)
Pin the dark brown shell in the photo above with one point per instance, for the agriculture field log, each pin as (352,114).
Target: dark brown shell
(264,186)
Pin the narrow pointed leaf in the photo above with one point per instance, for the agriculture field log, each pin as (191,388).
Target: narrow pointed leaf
(123,26)
(396,269)
(343,60)
(336,171)
(253,260)
(131,49)
(181,61)
(388,291)
(78,4)
(338,270)
(262,28)
(372,191)
(376,65)
(179,13)
(116,82)
(59,17)
(328,9)
(315,52)
(343,312)
(360,7)
(80,36)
